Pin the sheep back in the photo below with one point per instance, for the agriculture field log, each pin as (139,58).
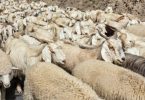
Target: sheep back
(46,81)
(111,81)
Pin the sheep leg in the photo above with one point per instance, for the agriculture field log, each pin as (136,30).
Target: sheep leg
(3,93)
(19,89)
(28,93)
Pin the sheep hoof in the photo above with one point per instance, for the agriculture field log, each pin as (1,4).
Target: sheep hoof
(19,89)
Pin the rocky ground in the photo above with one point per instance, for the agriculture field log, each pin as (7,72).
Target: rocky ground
(135,7)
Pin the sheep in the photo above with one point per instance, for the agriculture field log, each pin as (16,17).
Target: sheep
(76,14)
(108,16)
(132,44)
(62,21)
(31,54)
(3,18)
(57,53)
(97,16)
(104,51)
(109,10)
(43,35)
(137,50)
(6,68)
(47,81)
(87,27)
(53,53)
(134,63)
(128,39)
(97,40)
(19,25)
(34,20)
(111,81)
(30,40)
(137,29)
(5,73)
(21,53)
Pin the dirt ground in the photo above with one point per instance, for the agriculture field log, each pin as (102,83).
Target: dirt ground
(135,7)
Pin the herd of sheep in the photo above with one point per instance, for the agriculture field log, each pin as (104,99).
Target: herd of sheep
(68,54)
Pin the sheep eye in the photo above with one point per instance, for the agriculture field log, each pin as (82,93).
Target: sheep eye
(111,47)
(53,52)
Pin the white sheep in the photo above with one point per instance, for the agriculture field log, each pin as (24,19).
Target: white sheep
(105,51)
(22,54)
(137,29)
(5,73)
(43,35)
(111,81)
(30,40)
(47,81)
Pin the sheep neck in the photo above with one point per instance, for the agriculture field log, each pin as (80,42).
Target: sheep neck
(93,53)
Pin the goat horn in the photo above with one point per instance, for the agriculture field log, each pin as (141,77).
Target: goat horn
(85,46)
(103,35)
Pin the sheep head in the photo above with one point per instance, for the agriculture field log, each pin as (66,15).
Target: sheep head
(112,51)
(58,55)
(109,10)
(123,35)
(5,79)
(6,69)
(126,39)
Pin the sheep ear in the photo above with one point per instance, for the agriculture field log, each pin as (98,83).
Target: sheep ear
(24,22)
(46,54)
(51,48)
(105,53)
